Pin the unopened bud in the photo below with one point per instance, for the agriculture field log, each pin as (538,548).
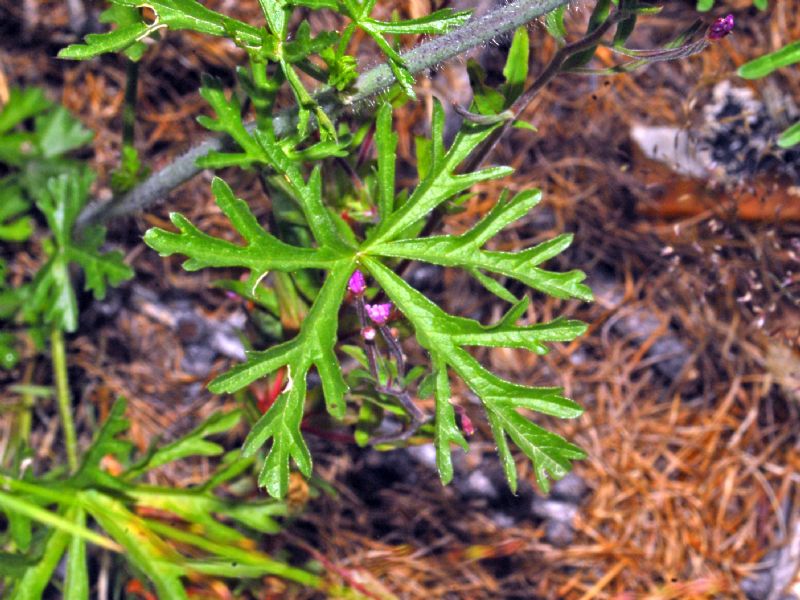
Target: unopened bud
(357,284)
(466,423)
(720,28)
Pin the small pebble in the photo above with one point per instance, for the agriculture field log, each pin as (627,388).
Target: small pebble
(571,487)
(559,533)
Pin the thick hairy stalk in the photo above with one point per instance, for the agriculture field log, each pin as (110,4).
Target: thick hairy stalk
(425,56)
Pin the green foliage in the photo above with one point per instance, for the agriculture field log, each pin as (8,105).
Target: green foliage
(56,511)
(706,5)
(394,237)
(130,172)
(36,139)
(271,45)
(764,66)
(52,296)
(32,155)
(601,12)
(333,211)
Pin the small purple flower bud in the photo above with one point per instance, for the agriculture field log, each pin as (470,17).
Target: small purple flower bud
(379,313)
(357,284)
(368,333)
(720,28)
(466,423)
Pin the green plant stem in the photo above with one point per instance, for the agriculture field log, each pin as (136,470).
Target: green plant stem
(552,69)
(129,107)
(59,353)
(476,32)
(53,519)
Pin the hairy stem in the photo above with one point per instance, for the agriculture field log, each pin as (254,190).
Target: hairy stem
(425,56)
(59,353)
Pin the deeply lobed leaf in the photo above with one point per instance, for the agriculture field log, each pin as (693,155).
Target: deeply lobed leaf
(444,336)
(53,296)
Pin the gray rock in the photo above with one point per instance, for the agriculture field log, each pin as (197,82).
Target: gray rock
(758,586)
(571,488)
(554,510)
(559,533)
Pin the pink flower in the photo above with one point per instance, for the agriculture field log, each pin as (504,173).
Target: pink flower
(379,313)
(720,28)
(357,284)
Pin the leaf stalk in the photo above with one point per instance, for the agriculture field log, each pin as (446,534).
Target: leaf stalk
(59,355)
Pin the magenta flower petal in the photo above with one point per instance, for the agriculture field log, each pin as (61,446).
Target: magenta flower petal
(379,313)
(720,28)
(357,284)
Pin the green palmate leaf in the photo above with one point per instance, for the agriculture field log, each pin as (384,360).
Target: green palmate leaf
(445,336)
(53,297)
